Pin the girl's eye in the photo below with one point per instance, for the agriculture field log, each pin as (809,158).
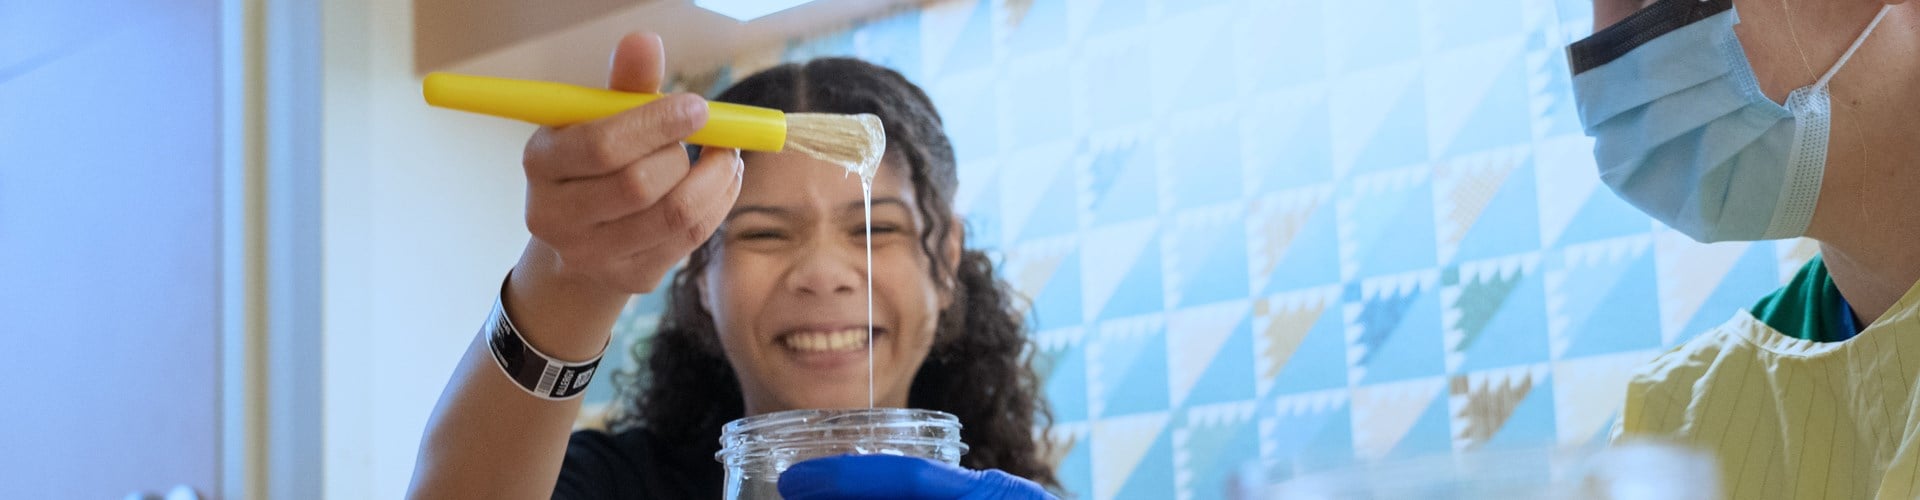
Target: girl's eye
(878,229)
(761,235)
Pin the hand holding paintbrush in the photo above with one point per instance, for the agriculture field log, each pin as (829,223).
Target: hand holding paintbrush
(612,202)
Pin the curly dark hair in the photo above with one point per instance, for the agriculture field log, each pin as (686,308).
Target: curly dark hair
(981,365)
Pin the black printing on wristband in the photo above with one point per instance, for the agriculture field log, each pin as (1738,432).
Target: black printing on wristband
(534,372)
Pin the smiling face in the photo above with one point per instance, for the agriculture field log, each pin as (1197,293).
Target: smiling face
(787,286)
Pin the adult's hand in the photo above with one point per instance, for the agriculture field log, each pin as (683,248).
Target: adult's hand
(613,204)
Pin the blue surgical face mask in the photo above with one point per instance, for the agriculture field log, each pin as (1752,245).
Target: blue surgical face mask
(1682,131)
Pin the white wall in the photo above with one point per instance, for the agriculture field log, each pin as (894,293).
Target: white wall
(422,218)
(110,233)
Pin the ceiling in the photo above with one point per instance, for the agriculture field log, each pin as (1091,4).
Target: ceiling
(569,40)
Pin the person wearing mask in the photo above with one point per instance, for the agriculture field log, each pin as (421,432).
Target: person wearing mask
(1750,120)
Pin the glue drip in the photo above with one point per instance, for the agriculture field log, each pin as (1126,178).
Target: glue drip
(856,143)
(866,206)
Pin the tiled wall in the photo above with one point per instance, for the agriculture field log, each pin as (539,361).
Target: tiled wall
(1298,233)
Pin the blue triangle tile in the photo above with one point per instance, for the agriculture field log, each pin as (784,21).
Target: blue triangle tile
(1111,15)
(1406,241)
(1115,77)
(1509,225)
(1216,452)
(1140,291)
(1229,375)
(1220,271)
(1407,342)
(1124,185)
(1333,444)
(1303,158)
(1515,332)
(1366,39)
(1613,309)
(1379,318)
(1308,441)
(1321,360)
(983,221)
(1401,139)
(1066,383)
(900,46)
(1214,49)
(1213,149)
(968,111)
(1755,275)
(1467,23)
(1135,373)
(1076,471)
(1057,212)
(1292,48)
(1058,303)
(1531,424)
(1555,79)
(1431,434)
(973,49)
(1044,105)
(1044,26)
(1603,216)
(1502,117)
(1313,258)
(1175,8)
(1105,168)
(1153,478)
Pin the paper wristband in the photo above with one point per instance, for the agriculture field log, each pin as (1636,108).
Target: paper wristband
(532,370)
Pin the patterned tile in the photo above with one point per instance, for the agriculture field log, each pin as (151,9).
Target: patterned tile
(1211,442)
(1127,367)
(1300,341)
(1292,236)
(1393,328)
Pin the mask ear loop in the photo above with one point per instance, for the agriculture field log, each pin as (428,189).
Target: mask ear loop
(1828,78)
(1857,42)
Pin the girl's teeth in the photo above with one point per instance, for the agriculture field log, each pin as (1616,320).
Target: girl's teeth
(839,340)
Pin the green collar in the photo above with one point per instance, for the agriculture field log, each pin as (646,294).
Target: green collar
(1809,307)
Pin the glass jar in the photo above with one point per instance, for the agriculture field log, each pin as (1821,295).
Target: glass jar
(755,450)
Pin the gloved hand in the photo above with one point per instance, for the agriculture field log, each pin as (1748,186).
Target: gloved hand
(898,477)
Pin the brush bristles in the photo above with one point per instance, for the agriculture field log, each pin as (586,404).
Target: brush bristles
(854,142)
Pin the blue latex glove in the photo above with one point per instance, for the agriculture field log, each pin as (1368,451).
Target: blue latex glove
(892,476)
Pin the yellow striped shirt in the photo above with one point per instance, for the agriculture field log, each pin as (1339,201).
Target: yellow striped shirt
(1792,418)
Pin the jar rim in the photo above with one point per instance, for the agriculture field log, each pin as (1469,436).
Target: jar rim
(821,416)
(745,438)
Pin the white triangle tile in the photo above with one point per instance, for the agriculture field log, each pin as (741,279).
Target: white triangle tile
(1119,444)
(1566,177)
(941,24)
(1194,339)
(1360,103)
(1458,82)
(1111,253)
(1689,273)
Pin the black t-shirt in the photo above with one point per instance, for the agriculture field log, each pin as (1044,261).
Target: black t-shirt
(636,464)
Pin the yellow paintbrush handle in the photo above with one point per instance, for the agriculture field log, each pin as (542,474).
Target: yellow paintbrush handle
(555,104)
